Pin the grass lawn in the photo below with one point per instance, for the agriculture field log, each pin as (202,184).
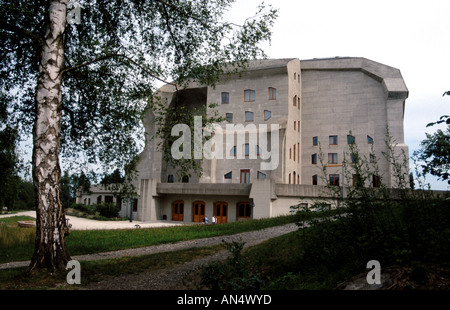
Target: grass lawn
(17,244)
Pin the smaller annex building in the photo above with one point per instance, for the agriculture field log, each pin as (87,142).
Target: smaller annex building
(285,120)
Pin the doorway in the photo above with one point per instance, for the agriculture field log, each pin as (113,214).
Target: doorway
(221,212)
(178,211)
(198,211)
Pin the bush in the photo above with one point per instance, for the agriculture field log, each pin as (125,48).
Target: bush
(235,273)
(108,209)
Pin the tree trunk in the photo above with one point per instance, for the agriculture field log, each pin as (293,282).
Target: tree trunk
(50,249)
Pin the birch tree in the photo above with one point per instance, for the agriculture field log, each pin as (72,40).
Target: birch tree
(79,75)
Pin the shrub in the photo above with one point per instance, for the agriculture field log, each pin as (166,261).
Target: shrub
(108,209)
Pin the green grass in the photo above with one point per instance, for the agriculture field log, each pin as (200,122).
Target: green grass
(94,241)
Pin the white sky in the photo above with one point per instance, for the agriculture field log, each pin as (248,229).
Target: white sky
(412,36)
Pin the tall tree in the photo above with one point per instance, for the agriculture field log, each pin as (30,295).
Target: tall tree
(84,86)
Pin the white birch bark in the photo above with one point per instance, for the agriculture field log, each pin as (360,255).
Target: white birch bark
(50,251)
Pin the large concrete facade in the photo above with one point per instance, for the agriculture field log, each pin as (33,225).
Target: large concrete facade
(308,107)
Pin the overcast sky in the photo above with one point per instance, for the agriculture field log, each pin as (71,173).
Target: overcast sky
(412,36)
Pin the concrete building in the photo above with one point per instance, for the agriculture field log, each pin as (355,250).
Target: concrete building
(286,119)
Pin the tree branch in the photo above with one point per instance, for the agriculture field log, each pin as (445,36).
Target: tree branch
(108,56)
(22,32)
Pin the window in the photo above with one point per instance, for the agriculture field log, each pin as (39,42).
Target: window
(332,158)
(272,93)
(261,176)
(170,178)
(109,199)
(351,139)
(229,117)
(245,176)
(248,116)
(244,209)
(228,176)
(233,151)
(258,150)
(99,199)
(314,159)
(294,152)
(369,140)
(185,179)
(294,101)
(333,140)
(354,157)
(267,115)
(334,179)
(249,95)
(295,125)
(225,98)
(376,181)
(357,180)
(373,158)
(246,149)
(315,141)
(314,179)
(135,205)
(298,126)
(298,105)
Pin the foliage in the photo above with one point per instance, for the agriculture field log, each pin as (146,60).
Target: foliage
(103,210)
(114,59)
(435,154)
(235,273)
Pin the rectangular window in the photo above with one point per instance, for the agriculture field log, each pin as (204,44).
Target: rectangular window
(228,176)
(314,159)
(246,149)
(357,180)
(233,151)
(315,141)
(245,176)
(369,140)
(248,116)
(332,158)
(334,179)
(267,115)
(249,95)
(272,93)
(314,179)
(229,117)
(225,98)
(333,140)
(376,181)
(351,139)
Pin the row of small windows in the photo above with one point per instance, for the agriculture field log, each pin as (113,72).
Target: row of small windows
(333,158)
(250,95)
(245,176)
(333,140)
(249,116)
(334,180)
